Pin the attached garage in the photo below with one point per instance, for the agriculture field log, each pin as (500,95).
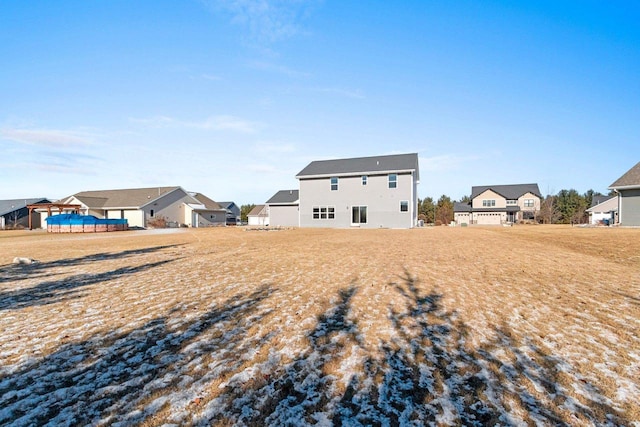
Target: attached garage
(283,209)
(489,218)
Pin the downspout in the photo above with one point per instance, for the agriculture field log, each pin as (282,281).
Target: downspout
(619,206)
(413,222)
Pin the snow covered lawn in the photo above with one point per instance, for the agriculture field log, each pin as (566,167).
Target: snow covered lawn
(435,326)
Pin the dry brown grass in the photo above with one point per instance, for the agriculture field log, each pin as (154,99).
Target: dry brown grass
(532,297)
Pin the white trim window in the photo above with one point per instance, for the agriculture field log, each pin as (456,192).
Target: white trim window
(334,183)
(488,203)
(512,202)
(393,180)
(324,212)
(404,206)
(364,179)
(529,203)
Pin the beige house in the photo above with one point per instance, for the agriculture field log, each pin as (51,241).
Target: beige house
(141,205)
(499,204)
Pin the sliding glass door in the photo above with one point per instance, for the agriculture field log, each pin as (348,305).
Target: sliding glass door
(358,215)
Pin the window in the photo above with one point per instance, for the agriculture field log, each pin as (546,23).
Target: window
(488,203)
(151,213)
(512,202)
(364,179)
(358,215)
(324,212)
(334,184)
(404,206)
(529,203)
(393,180)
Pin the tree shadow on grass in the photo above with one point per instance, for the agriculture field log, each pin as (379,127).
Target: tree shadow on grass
(428,373)
(297,392)
(17,272)
(202,371)
(66,289)
(107,379)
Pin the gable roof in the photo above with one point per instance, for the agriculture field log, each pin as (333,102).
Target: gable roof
(207,202)
(125,198)
(631,179)
(362,165)
(461,207)
(509,192)
(606,205)
(258,210)
(226,205)
(598,200)
(284,197)
(8,206)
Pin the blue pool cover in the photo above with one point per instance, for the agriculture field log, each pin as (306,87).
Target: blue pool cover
(75,219)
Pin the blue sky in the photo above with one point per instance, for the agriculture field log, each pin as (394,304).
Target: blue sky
(233,98)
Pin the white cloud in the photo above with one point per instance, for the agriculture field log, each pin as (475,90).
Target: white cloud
(216,123)
(354,94)
(266,21)
(46,137)
(280,69)
(264,169)
(268,147)
(446,162)
(211,77)
(228,123)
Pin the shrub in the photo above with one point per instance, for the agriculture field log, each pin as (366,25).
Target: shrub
(157,222)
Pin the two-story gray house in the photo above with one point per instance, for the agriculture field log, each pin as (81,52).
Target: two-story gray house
(365,192)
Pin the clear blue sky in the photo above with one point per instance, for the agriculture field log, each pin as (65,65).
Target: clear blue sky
(233,98)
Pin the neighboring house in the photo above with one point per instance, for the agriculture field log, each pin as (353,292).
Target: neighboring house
(365,192)
(282,209)
(499,204)
(233,212)
(259,216)
(628,189)
(604,209)
(15,213)
(137,205)
(205,213)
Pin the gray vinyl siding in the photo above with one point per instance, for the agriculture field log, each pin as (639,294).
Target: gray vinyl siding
(382,202)
(630,207)
(283,215)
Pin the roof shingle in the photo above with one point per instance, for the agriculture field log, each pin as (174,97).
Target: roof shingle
(396,162)
(284,197)
(127,198)
(630,179)
(509,192)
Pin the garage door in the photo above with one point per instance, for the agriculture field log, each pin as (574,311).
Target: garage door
(489,219)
